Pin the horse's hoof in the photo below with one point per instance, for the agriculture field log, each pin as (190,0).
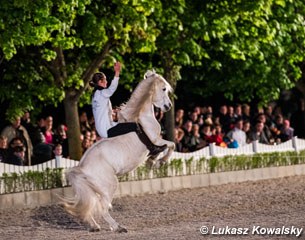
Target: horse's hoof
(94,229)
(121,230)
(150,162)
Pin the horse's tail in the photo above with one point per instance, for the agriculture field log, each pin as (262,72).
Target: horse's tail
(88,200)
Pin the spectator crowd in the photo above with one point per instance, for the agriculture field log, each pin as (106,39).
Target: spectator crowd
(25,143)
(232,127)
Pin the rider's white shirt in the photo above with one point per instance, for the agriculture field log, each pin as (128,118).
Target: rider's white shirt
(102,108)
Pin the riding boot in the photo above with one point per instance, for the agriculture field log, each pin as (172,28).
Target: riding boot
(153,149)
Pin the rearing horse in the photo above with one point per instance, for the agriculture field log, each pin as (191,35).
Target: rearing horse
(94,180)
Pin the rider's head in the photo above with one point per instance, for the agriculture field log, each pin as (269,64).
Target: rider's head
(98,81)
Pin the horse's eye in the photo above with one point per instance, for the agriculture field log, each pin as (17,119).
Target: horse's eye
(164,89)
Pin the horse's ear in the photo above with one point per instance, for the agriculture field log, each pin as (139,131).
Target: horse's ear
(149,73)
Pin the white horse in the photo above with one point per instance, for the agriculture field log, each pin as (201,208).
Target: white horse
(94,180)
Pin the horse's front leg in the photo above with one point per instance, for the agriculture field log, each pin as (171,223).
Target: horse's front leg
(170,148)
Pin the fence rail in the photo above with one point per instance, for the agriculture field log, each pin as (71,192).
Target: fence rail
(212,150)
(207,160)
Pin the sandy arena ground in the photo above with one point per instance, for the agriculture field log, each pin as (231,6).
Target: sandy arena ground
(176,215)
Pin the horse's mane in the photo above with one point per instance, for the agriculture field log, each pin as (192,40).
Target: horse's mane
(129,111)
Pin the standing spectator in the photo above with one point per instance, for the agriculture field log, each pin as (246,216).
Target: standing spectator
(48,133)
(246,112)
(17,130)
(186,141)
(35,132)
(298,120)
(221,118)
(83,122)
(160,118)
(231,118)
(237,134)
(238,111)
(258,133)
(179,118)
(3,149)
(194,117)
(269,116)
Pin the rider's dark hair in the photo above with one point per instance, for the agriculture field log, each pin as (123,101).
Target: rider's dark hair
(95,78)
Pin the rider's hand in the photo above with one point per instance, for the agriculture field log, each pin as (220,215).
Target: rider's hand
(117,69)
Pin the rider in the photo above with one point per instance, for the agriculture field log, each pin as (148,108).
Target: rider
(102,111)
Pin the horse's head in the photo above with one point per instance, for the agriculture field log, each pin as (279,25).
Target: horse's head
(160,97)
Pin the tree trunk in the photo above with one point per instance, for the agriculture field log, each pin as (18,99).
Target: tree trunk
(170,123)
(72,121)
(170,115)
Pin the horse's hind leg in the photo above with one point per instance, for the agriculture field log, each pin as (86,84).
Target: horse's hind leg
(106,192)
(94,226)
(114,226)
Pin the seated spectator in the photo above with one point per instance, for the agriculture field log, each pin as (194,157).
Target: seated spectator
(258,133)
(17,130)
(286,132)
(60,136)
(57,151)
(178,139)
(206,134)
(16,154)
(276,128)
(237,134)
(86,144)
(261,117)
(196,140)
(217,135)
(3,149)
(93,137)
(247,129)
(42,153)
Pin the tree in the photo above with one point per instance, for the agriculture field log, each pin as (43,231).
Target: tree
(65,42)
(254,49)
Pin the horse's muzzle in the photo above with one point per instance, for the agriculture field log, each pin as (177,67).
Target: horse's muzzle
(167,107)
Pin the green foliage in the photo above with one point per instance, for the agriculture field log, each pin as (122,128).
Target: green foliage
(32,180)
(245,49)
(254,48)
(53,178)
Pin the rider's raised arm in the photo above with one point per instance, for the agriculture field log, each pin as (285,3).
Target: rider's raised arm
(108,92)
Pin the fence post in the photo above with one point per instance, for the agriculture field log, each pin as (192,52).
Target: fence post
(294,143)
(212,149)
(254,146)
(57,161)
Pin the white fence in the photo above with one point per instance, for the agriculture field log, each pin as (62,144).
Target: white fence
(294,144)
